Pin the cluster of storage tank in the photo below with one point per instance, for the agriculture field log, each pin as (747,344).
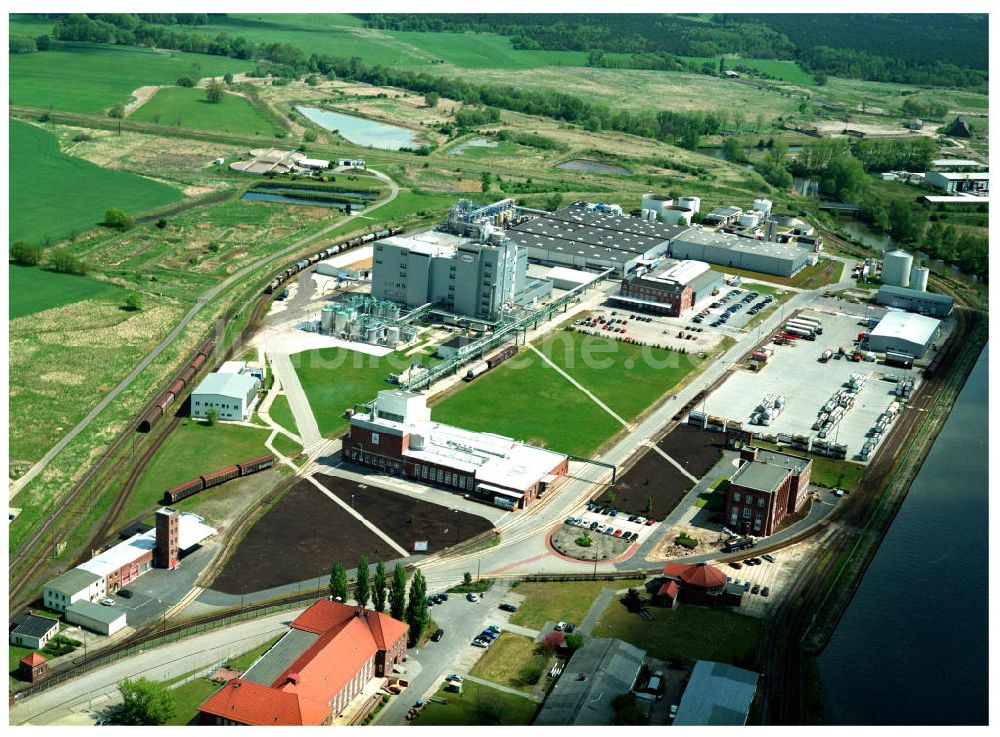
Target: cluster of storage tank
(661,207)
(903,388)
(366,320)
(898,270)
(768,410)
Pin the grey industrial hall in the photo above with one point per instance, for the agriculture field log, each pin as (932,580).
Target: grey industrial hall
(726,249)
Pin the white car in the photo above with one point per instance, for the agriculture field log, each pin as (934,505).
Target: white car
(108,602)
(472,597)
(560,626)
(456,678)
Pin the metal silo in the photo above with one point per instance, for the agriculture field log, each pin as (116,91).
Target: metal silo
(692,203)
(918,278)
(676,216)
(896,268)
(326,320)
(657,203)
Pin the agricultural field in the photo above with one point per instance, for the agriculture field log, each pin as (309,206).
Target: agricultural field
(67,348)
(44,180)
(192,449)
(33,290)
(188,107)
(782,71)
(544,408)
(88,78)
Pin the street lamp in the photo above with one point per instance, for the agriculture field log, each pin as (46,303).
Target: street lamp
(458,526)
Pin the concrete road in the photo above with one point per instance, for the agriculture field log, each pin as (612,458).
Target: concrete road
(98,689)
(203,299)
(281,364)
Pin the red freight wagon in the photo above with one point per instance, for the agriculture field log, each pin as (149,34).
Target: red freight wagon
(221,476)
(255,465)
(184,490)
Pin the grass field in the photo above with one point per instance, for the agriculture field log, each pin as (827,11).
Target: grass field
(505,660)
(784,71)
(628,378)
(188,698)
(567,601)
(43,181)
(32,290)
(689,633)
(478,706)
(191,450)
(88,78)
(233,114)
(287,446)
(828,472)
(281,413)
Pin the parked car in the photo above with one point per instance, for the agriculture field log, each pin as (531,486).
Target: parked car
(508,607)
(650,522)
(472,597)
(617,533)
(560,626)
(125,594)
(480,643)
(736,565)
(632,518)
(768,557)
(456,678)
(613,513)
(430,601)
(755,589)
(593,525)
(107,602)
(570,627)
(756,561)
(436,637)
(443,597)
(746,586)
(766,591)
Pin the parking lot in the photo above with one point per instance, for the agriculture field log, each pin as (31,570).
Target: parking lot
(732,308)
(592,520)
(669,332)
(806,383)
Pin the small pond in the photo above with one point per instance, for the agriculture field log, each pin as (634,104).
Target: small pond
(362,131)
(473,143)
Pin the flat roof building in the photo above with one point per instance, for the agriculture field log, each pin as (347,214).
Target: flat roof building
(959,181)
(583,238)
(399,437)
(231,395)
(104,620)
(915,300)
(767,487)
(74,585)
(330,654)
(726,249)
(904,332)
(600,670)
(717,694)
(671,290)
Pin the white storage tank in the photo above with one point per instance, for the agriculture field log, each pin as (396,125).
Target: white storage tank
(750,219)
(676,216)
(763,205)
(657,202)
(326,320)
(896,268)
(691,203)
(918,278)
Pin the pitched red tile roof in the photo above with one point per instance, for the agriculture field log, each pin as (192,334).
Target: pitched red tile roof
(674,569)
(670,589)
(704,576)
(33,659)
(250,703)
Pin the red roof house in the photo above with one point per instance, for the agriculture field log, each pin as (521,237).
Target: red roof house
(311,675)
(695,583)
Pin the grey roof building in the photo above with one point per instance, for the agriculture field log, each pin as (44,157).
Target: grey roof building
(72,581)
(599,671)
(30,630)
(904,332)
(726,249)
(580,237)
(915,300)
(717,694)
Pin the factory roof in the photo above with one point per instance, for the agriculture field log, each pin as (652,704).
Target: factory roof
(704,279)
(962,175)
(717,694)
(236,386)
(906,326)
(72,581)
(98,612)
(759,476)
(601,669)
(616,223)
(232,367)
(915,294)
(459,341)
(121,554)
(795,464)
(955,162)
(574,275)
(719,239)
(495,460)
(571,248)
(315,163)
(31,625)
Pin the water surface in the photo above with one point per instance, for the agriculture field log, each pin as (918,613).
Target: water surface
(362,131)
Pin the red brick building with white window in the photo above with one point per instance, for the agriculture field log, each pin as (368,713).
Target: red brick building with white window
(766,488)
(313,673)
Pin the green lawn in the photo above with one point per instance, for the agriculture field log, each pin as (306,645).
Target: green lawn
(505,660)
(33,290)
(477,706)
(188,698)
(286,445)
(486,51)
(191,450)
(688,632)
(281,413)
(233,114)
(567,601)
(88,78)
(14,655)
(52,194)
(628,378)
(784,71)
(827,472)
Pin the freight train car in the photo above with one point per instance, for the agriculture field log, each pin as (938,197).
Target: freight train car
(183,491)
(244,468)
(496,359)
(183,381)
(255,465)
(221,476)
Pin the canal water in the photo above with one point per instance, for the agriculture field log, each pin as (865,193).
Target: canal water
(912,647)
(362,131)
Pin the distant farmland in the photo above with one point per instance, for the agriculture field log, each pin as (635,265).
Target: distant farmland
(185,107)
(52,194)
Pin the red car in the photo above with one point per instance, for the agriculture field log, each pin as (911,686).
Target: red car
(650,522)
(618,533)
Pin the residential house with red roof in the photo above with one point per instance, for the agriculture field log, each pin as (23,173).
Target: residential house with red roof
(695,583)
(311,675)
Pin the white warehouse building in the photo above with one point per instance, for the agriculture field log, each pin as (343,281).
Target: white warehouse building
(904,332)
(232,396)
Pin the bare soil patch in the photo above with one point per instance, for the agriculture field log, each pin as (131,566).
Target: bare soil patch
(694,449)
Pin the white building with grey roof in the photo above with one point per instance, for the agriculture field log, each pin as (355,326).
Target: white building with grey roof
(904,332)
(726,249)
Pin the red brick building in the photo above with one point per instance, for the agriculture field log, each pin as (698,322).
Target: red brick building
(672,291)
(33,667)
(695,583)
(398,437)
(311,675)
(766,488)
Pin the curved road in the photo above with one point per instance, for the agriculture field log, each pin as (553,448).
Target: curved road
(202,300)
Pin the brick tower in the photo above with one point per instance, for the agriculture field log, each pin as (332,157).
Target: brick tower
(167,548)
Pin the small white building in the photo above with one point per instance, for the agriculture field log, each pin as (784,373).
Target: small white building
(569,279)
(72,586)
(30,630)
(104,620)
(232,396)
(959,181)
(317,164)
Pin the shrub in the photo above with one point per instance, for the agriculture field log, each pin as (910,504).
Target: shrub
(66,263)
(309,136)
(584,541)
(133,302)
(81,137)
(117,218)
(686,541)
(27,254)
(185,82)
(161,223)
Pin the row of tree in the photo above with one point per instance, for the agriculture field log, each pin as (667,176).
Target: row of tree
(382,594)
